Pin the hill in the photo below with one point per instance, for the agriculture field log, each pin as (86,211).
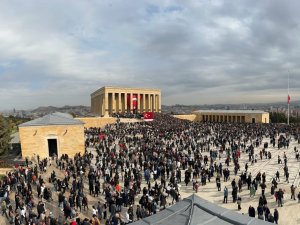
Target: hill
(74,110)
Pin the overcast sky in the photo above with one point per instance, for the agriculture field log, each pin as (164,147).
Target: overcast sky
(197,52)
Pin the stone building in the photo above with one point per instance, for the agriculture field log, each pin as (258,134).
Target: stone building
(53,134)
(232,116)
(109,100)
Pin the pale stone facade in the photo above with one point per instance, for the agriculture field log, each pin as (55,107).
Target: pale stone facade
(232,116)
(109,100)
(96,121)
(190,117)
(52,134)
(34,140)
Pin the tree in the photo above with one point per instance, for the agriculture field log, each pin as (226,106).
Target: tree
(278,117)
(72,114)
(5,135)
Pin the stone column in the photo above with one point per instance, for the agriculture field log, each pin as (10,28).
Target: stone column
(143,102)
(106,104)
(139,103)
(131,105)
(154,103)
(147,102)
(97,104)
(125,99)
(159,103)
(150,102)
(119,102)
(113,103)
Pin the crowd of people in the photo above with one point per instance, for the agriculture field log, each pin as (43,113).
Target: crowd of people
(130,171)
(127,115)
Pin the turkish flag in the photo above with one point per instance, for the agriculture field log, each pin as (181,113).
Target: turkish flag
(289,99)
(148,116)
(133,100)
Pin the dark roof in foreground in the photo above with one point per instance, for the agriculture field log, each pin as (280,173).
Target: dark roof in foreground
(196,211)
(56,118)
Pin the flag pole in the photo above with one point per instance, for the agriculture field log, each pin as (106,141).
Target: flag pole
(288,119)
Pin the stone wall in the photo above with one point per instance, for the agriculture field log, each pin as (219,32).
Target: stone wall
(4,171)
(190,117)
(96,121)
(259,117)
(34,140)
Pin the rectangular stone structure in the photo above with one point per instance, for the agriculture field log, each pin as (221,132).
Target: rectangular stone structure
(60,129)
(108,100)
(232,116)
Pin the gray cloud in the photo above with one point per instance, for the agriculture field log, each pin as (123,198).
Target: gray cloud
(197,52)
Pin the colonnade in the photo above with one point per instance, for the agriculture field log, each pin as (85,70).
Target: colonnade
(108,100)
(224,118)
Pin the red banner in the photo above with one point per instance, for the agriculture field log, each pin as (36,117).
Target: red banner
(134,101)
(148,116)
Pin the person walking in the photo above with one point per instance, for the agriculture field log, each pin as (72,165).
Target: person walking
(293,192)
(239,202)
(225,195)
(276,215)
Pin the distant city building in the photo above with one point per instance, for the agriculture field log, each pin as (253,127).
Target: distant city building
(109,100)
(53,134)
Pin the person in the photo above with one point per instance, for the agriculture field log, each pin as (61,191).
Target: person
(196,186)
(99,210)
(115,219)
(270,218)
(272,189)
(95,220)
(11,215)
(252,190)
(239,202)
(3,208)
(263,187)
(260,212)
(127,219)
(17,219)
(276,215)
(74,222)
(138,212)
(293,192)
(267,213)
(279,196)
(251,211)
(225,195)
(277,176)
(218,181)
(94,210)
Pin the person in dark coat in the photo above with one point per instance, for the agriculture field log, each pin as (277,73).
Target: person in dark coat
(251,211)
(276,216)
(260,212)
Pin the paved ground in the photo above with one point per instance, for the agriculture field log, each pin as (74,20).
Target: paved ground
(288,214)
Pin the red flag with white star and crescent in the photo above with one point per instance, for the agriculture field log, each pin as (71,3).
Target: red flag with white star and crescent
(148,116)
